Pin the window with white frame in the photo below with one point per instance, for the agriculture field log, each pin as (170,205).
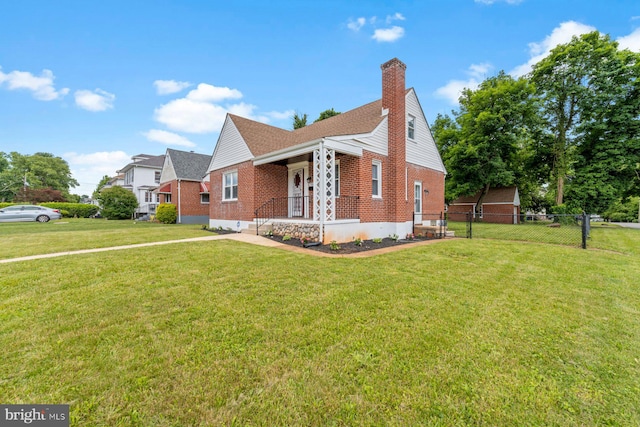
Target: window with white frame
(204,198)
(128,177)
(230,186)
(411,127)
(157,177)
(167,198)
(376,178)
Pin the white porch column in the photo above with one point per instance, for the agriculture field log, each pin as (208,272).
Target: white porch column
(324,198)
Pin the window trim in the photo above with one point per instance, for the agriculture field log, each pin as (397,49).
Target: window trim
(224,186)
(378,179)
(208,197)
(411,127)
(417,184)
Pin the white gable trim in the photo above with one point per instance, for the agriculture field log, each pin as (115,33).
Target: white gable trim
(231,148)
(168,172)
(422,150)
(306,148)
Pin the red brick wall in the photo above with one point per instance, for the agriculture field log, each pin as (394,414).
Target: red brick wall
(459,212)
(241,209)
(433,181)
(393,98)
(499,214)
(189,198)
(271,181)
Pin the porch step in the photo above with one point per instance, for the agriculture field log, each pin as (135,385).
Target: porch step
(433,230)
(252,228)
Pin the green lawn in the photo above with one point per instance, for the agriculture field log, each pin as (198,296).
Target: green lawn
(32,238)
(461,332)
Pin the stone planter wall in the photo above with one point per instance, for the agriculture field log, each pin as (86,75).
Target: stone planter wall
(297,231)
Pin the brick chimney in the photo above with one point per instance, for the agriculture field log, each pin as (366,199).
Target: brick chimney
(393,99)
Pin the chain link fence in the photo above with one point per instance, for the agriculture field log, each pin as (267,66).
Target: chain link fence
(570,230)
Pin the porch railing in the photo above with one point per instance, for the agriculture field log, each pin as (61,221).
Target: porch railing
(299,207)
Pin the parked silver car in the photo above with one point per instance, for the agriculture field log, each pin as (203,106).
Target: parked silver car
(28,213)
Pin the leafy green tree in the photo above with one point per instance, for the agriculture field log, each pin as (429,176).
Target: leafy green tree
(488,142)
(607,164)
(299,121)
(103,181)
(36,171)
(578,83)
(326,114)
(117,203)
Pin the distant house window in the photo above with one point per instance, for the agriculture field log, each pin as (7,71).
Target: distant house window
(167,198)
(204,198)
(157,177)
(376,178)
(128,177)
(411,127)
(230,186)
(148,197)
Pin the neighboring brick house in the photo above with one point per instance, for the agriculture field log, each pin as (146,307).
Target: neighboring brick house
(141,177)
(500,205)
(362,173)
(182,182)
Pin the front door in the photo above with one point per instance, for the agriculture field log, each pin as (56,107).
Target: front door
(296,198)
(417,202)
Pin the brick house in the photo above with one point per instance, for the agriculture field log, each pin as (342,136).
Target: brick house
(362,173)
(500,205)
(182,183)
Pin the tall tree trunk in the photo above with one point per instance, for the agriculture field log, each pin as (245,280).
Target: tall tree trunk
(560,190)
(480,199)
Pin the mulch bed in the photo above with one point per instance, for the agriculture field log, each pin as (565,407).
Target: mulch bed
(347,248)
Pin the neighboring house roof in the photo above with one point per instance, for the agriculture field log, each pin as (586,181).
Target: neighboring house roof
(188,165)
(148,161)
(496,195)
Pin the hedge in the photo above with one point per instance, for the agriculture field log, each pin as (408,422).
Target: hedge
(79,210)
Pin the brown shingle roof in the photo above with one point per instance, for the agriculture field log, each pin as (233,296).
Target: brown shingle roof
(495,195)
(262,139)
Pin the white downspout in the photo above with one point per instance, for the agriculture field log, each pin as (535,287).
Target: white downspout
(179,205)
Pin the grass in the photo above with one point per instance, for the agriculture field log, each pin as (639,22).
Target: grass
(463,332)
(32,238)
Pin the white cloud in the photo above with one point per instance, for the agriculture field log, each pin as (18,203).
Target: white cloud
(280,115)
(395,17)
(97,100)
(560,35)
(166,87)
(42,87)
(186,115)
(452,90)
(388,35)
(631,41)
(209,93)
(88,169)
(167,138)
(356,25)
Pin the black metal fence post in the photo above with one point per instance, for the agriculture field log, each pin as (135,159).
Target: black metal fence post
(586,222)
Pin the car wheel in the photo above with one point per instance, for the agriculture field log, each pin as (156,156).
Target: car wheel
(42,218)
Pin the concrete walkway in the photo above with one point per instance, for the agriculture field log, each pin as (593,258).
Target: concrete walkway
(240,237)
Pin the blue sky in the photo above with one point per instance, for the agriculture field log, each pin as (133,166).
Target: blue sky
(97,82)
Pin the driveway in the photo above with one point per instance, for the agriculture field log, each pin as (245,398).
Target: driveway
(628,224)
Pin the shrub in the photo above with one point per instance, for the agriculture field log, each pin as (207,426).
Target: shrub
(377,240)
(334,245)
(623,212)
(167,213)
(357,241)
(286,238)
(117,203)
(74,210)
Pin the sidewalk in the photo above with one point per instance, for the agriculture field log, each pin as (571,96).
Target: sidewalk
(240,237)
